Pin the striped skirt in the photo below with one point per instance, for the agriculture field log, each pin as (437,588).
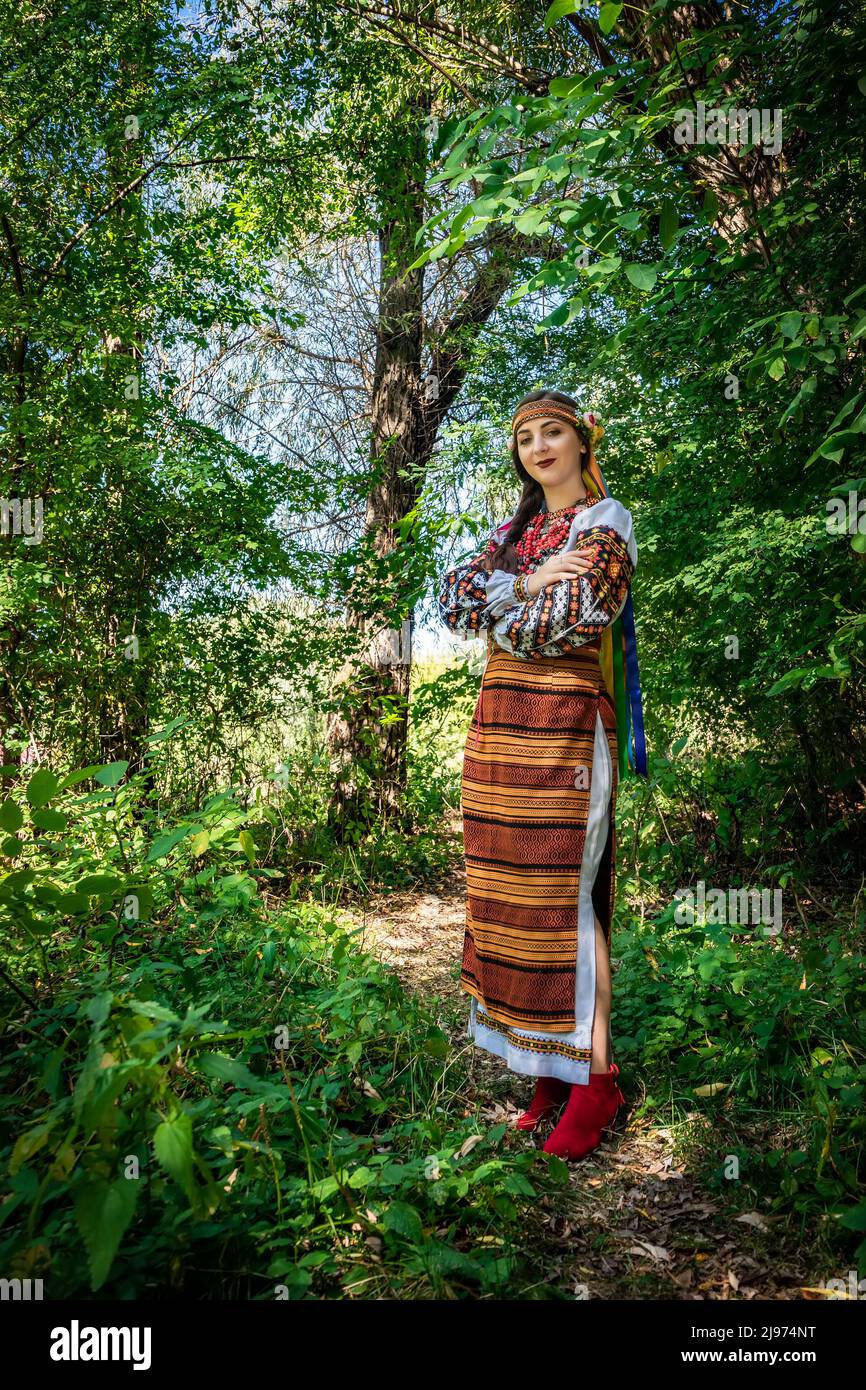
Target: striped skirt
(538,801)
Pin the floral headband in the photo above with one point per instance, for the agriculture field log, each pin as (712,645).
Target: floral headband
(534,410)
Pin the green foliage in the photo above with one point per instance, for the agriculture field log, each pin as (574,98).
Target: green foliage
(214,1087)
(741,1025)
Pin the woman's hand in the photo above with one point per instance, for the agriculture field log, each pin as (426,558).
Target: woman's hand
(568,564)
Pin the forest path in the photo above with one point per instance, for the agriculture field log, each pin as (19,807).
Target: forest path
(634,1221)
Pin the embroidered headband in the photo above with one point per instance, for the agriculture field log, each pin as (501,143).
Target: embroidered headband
(535,410)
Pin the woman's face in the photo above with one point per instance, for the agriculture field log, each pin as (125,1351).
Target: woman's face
(550,451)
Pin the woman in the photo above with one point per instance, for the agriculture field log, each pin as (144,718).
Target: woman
(540,770)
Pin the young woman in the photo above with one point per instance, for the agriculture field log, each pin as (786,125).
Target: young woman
(540,770)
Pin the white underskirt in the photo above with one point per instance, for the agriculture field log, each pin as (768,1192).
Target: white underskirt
(558,1063)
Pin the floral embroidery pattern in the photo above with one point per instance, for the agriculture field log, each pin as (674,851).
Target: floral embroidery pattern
(463,594)
(563,616)
(569,614)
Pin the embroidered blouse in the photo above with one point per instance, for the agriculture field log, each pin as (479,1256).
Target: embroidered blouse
(563,616)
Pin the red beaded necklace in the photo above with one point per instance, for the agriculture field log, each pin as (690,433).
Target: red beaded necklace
(547,532)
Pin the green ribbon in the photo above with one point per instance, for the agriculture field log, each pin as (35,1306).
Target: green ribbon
(620,697)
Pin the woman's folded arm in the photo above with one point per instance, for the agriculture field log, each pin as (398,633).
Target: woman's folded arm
(566,615)
(465,593)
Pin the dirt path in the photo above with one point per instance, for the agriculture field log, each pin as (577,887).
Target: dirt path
(634,1222)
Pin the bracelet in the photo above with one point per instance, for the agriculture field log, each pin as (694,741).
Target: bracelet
(521,593)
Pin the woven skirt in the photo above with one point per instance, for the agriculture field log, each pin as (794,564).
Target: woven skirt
(538,801)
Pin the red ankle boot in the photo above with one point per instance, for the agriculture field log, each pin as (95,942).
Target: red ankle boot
(550,1094)
(590,1109)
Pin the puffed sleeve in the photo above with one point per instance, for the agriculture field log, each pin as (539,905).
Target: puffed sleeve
(463,600)
(567,615)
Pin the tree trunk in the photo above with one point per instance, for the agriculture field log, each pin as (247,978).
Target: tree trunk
(370,753)
(368,750)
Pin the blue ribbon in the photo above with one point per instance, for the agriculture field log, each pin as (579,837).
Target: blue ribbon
(636,738)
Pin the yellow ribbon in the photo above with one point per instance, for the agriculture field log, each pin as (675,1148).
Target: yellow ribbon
(595,488)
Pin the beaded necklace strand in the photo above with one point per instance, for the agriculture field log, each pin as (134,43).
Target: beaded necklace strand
(548,531)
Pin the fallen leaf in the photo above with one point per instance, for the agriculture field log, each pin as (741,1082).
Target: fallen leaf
(468,1145)
(658,1252)
(752,1218)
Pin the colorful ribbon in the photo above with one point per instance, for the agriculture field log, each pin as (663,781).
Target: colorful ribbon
(628,700)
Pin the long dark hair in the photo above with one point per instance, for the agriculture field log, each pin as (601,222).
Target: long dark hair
(505,556)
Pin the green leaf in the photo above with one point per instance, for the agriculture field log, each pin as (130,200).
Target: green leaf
(558,9)
(532,222)
(28,1144)
(643,277)
(629,220)
(436,1045)
(847,409)
(222,1068)
(50,820)
(558,1168)
(608,15)
(110,774)
(41,787)
(11,816)
(172,1144)
(403,1220)
(325,1187)
(834,446)
(571,87)
(98,1007)
(149,1008)
(805,391)
(80,775)
(72,904)
(711,205)
(558,316)
(103,1210)
(248,845)
(164,843)
(855,1218)
(668,224)
(98,885)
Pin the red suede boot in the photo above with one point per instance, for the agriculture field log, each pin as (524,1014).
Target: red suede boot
(590,1109)
(550,1094)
